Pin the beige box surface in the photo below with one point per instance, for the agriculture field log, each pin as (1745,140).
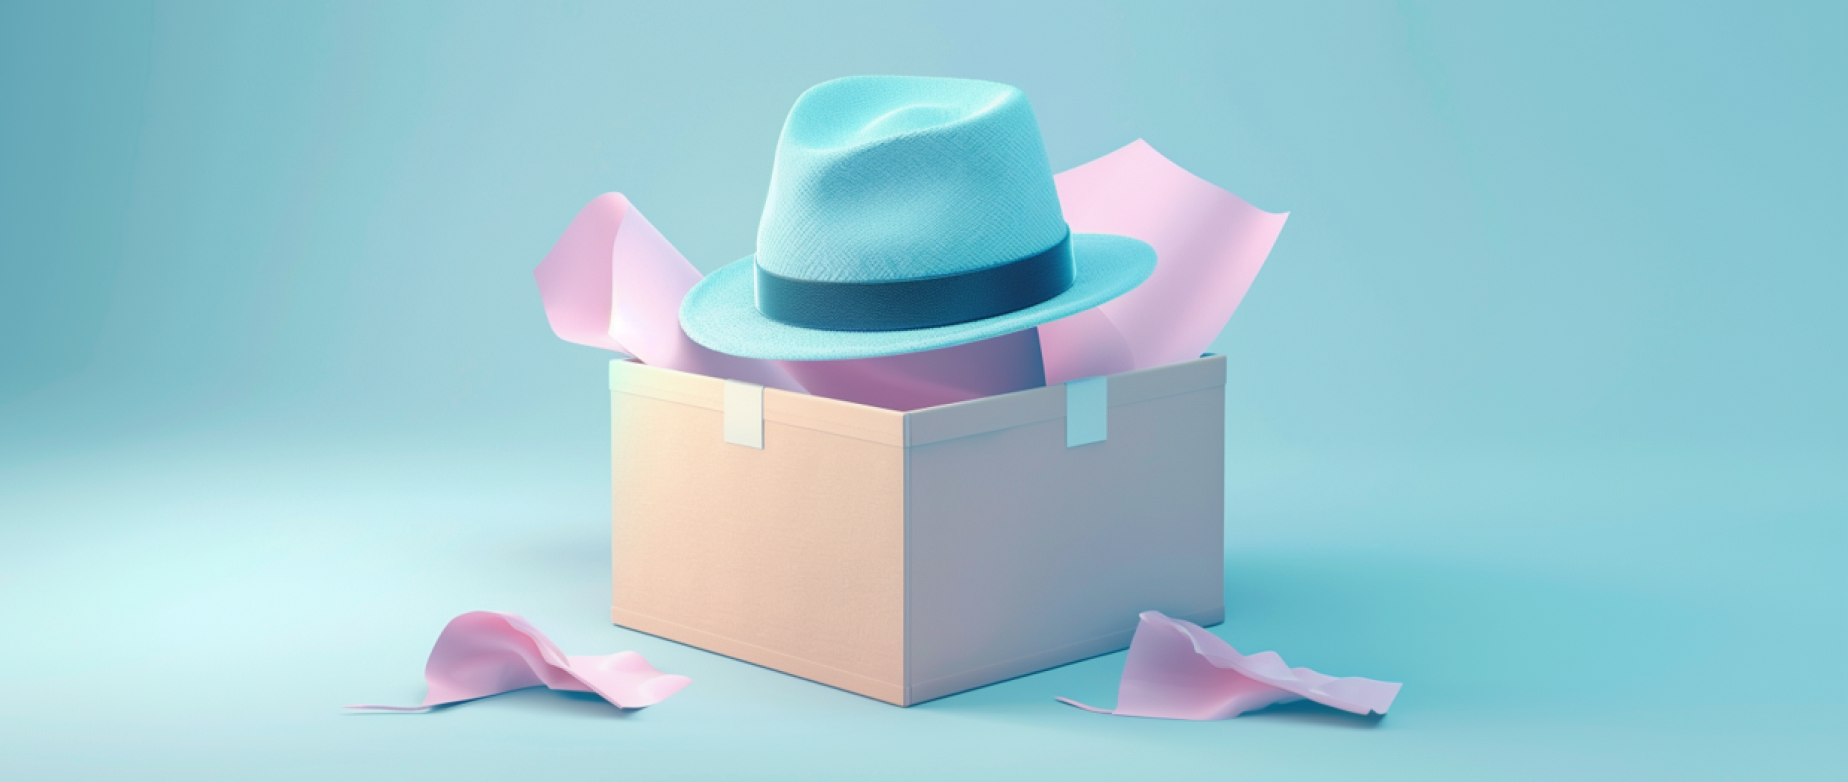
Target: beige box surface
(906,556)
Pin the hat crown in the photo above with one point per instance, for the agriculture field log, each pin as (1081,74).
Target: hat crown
(889,178)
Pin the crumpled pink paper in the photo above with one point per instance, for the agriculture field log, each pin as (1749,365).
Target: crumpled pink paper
(614,282)
(1209,245)
(1179,671)
(484,653)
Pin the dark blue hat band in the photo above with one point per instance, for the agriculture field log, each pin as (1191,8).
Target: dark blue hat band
(917,304)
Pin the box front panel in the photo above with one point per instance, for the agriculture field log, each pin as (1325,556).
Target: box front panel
(791,556)
(1025,554)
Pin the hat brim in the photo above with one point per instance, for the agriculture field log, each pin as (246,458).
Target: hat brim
(721,311)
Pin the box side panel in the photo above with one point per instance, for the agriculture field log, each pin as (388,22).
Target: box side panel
(1025,554)
(790,557)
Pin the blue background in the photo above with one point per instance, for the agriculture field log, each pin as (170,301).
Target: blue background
(1537,406)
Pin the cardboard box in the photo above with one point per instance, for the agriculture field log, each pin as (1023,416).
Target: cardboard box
(906,556)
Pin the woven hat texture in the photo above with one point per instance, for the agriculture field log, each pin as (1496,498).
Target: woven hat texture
(891,178)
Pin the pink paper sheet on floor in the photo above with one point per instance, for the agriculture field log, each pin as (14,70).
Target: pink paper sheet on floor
(1179,671)
(1209,245)
(483,653)
(614,282)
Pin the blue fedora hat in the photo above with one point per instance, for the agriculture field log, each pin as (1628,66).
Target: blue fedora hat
(907,214)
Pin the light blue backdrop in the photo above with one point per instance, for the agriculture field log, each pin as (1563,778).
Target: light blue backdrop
(1537,406)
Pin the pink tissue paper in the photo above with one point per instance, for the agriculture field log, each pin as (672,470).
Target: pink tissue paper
(614,282)
(1179,671)
(1209,245)
(914,381)
(1083,345)
(484,653)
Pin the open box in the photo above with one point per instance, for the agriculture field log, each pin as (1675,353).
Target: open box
(906,556)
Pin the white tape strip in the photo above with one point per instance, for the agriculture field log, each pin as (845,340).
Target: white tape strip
(744,414)
(1087,411)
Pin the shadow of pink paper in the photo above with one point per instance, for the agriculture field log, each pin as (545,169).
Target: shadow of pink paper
(1177,670)
(483,653)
